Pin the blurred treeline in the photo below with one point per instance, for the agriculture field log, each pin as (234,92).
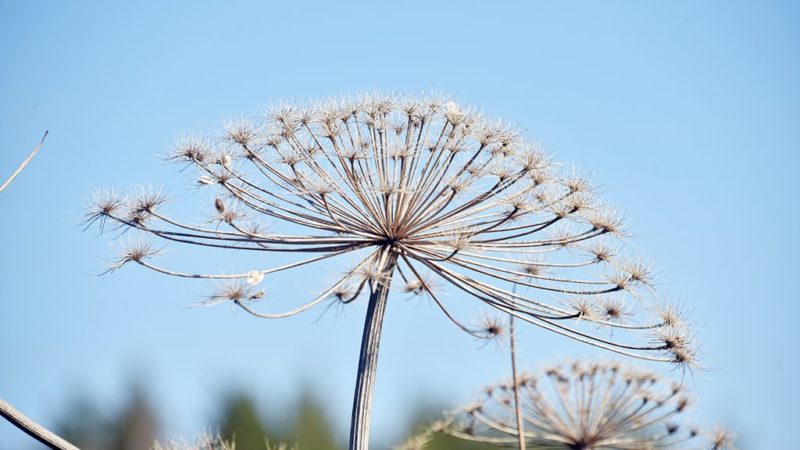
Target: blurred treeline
(136,425)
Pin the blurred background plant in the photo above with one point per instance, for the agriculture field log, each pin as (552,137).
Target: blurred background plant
(241,424)
(584,406)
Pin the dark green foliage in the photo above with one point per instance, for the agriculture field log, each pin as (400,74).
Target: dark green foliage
(241,423)
(83,424)
(444,442)
(424,416)
(311,428)
(137,425)
(133,427)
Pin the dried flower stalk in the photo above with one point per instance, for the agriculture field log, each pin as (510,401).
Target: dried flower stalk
(515,385)
(422,190)
(24,163)
(33,429)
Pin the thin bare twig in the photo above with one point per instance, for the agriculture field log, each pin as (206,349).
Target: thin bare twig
(24,163)
(515,381)
(33,429)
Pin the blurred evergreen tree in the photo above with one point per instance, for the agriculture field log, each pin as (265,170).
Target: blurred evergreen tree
(424,416)
(133,427)
(136,427)
(83,424)
(311,429)
(443,442)
(241,424)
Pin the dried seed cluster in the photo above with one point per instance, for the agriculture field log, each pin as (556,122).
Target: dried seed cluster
(421,189)
(584,406)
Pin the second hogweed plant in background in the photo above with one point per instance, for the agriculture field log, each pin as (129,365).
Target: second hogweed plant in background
(583,406)
(423,192)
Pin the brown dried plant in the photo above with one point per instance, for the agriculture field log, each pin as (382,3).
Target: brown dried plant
(595,406)
(418,189)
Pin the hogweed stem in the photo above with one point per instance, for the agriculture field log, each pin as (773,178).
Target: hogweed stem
(515,381)
(368,358)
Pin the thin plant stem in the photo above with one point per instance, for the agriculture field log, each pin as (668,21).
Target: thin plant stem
(368,358)
(33,429)
(515,381)
(24,163)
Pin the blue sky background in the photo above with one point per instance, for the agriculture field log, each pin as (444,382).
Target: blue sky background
(686,112)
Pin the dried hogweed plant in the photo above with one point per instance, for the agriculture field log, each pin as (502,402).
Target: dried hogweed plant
(581,407)
(205,441)
(208,441)
(421,190)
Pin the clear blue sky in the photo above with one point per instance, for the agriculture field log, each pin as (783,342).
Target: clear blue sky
(686,112)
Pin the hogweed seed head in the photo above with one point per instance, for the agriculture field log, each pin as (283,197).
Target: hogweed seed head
(190,149)
(587,406)
(104,203)
(491,328)
(424,188)
(237,292)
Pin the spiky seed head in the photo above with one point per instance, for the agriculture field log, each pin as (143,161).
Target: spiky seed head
(532,269)
(615,309)
(584,309)
(137,251)
(581,405)
(241,131)
(492,328)
(672,316)
(673,337)
(105,204)
(190,149)
(606,220)
(602,252)
(684,357)
(235,292)
(639,272)
(722,439)
(343,293)
(433,184)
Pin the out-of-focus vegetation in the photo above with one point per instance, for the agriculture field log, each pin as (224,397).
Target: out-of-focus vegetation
(241,424)
(132,427)
(241,420)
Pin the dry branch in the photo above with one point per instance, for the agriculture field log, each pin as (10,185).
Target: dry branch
(33,429)
(24,163)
